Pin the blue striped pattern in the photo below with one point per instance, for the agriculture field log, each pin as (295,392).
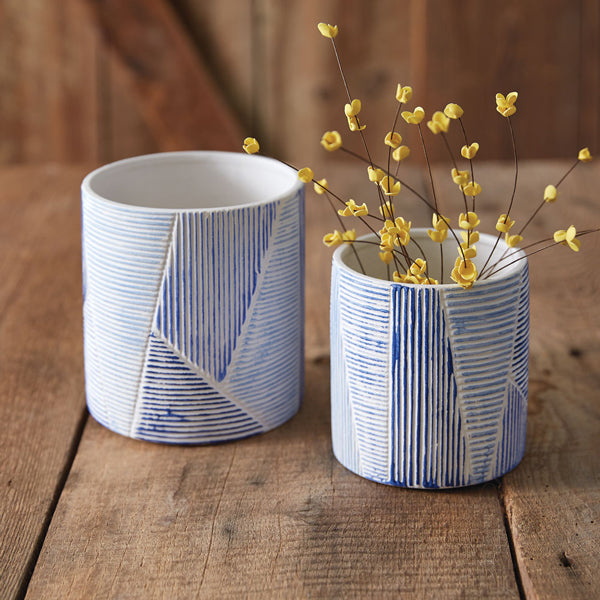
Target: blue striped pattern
(483,330)
(428,384)
(122,275)
(195,410)
(362,308)
(427,451)
(214,265)
(237,326)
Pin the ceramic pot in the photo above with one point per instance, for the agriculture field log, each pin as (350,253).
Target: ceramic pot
(193,271)
(428,383)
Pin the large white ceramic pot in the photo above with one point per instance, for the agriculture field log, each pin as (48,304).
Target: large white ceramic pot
(193,270)
(429,383)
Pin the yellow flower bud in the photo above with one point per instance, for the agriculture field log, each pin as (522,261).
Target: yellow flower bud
(387,210)
(439,122)
(389,186)
(386,257)
(467,251)
(453,111)
(352,109)
(353,124)
(584,155)
(328,31)
(464,272)
(468,221)
(331,140)
(437,236)
(506,106)
(349,236)
(418,267)
(472,237)
(251,146)
(550,194)
(513,240)
(333,239)
(469,151)
(415,117)
(400,153)
(439,222)
(305,174)
(393,139)
(375,175)
(403,94)
(460,177)
(321,186)
(567,238)
(352,209)
(471,189)
(504,223)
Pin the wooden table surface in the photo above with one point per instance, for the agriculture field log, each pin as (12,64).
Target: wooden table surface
(86,513)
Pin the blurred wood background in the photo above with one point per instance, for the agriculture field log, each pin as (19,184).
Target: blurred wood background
(99,80)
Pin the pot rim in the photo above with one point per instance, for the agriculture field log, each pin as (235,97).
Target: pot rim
(340,253)
(145,161)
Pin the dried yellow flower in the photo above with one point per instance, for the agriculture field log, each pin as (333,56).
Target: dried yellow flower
(468,221)
(354,125)
(320,186)
(400,153)
(305,174)
(468,251)
(352,109)
(375,175)
(471,189)
(387,210)
(439,222)
(513,240)
(469,151)
(251,146)
(439,122)
(414,117)
(453,111)
(437,236)
(460,177)
(567,238)
(349,236)
(584,155)
(386,257)
(550,194)
(504,223)
(418,267)
(472,237)
(506,106)
(333,239)
(353,210)
(403,94)
(328,31)
(331,140)
(464,272)
(393,139)
(389,186)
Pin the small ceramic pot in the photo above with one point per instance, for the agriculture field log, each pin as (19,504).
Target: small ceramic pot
(428,383)
(193,271)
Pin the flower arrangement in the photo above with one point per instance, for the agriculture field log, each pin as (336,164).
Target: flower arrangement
(405,259)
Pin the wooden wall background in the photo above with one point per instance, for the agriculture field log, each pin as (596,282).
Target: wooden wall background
(98,80)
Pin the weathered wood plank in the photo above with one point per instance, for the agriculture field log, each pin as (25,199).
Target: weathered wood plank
(553,498)
(41,377)
(270,516)
(48,105)
(471,50)
(174,92)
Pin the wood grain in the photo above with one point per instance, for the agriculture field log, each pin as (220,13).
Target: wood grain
(174,92)
(48,104)
(41,377)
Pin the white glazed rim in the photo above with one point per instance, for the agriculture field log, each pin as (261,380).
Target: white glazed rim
(342,251)
(266,163)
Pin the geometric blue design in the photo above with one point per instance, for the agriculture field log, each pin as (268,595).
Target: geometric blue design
(178,405)
(202,309)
